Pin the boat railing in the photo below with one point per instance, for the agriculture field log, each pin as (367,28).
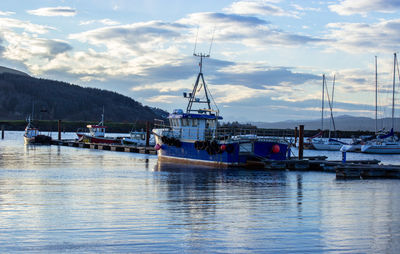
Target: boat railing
(224,133)
(160,124)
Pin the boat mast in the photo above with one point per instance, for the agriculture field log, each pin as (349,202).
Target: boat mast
(192,96)
(322,111)
(394,84)
(376,95)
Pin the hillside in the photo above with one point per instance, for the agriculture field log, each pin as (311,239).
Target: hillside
(54,100)
(12,71)
(344,123)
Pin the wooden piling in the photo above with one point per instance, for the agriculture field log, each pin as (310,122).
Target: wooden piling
(147,133)
(59,129)
(301,142)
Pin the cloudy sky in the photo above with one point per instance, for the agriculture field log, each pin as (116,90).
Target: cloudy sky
(267,56)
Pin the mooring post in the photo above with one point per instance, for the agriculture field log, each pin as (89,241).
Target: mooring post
(2,132)
(343,157)
(295,136)
(301,141)
(147,133)
(59,129)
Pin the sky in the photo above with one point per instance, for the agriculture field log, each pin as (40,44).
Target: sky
(267,57)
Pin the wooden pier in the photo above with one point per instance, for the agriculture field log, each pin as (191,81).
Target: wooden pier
(362,169)
(107,147)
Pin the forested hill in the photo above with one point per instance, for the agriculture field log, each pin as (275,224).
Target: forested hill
(55,100)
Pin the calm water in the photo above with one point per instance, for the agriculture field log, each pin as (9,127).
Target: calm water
(63,199)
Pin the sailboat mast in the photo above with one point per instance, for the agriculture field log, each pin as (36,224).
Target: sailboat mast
(322,107)
(394,85)
(376,95)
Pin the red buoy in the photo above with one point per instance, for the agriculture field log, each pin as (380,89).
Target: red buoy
(276,149)
(223,147)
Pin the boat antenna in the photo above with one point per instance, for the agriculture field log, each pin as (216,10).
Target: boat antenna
(195,43)
(212,40)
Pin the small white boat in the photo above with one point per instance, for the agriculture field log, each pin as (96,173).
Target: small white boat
(32,136)
(329,145)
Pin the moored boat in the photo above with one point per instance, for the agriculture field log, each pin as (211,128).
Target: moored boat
(194,136)
(387,143)
(32,135)
(97,134)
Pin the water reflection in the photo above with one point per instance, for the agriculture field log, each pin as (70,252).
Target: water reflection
(57,199)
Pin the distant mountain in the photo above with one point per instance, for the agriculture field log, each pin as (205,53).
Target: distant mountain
(12,71)
(54,100)
(343,123)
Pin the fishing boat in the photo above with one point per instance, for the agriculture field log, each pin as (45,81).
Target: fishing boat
(96,134)
(32,135)
(387,143)
(195,136)
(329,144)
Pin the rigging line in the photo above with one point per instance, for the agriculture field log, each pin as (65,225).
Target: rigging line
(213,99)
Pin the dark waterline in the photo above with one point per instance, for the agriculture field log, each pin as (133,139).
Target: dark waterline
(63,199)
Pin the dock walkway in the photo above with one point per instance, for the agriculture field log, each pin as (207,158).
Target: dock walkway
(107,147)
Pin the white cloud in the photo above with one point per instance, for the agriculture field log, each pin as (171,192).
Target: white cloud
(54,11)
(249,31)
(350,7)
(134,39)
(25,25)
(261,7)
(358,37)
(6,13)
(107,22)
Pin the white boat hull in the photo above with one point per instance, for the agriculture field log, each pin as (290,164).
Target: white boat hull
(327,146)
(381,149)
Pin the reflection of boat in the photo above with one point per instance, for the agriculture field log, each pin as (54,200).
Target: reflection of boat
(32,135)
(387,143)
(194,136)
(97,134)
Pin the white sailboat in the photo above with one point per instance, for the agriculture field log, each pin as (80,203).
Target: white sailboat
(389,143)
(330,144)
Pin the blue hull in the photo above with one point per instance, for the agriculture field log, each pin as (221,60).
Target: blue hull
(187,152)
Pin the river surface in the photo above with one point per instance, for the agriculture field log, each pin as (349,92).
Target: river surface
(64,199)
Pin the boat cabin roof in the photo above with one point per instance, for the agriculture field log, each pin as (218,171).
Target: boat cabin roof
(179,114)
(95,126)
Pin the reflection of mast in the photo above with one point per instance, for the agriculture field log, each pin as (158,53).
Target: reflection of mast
(192,96)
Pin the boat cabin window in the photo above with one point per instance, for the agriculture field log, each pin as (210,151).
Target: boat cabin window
(210,124)
(194,123)
(185,122)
